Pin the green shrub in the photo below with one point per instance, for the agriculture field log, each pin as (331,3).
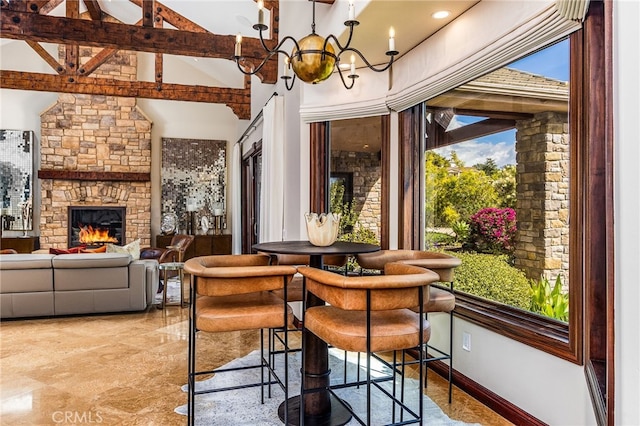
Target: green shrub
(433,240)
(491,277)
(549,302)
(461,229)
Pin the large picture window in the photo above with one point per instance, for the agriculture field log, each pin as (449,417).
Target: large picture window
(497,182)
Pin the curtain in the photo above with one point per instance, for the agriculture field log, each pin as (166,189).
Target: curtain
(236,198)
(272,187)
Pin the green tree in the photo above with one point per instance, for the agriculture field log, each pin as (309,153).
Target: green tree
(504,183)
(489,167)
(348,217)
(465,192)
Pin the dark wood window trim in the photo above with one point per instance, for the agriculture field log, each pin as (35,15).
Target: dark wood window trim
(597,125)
(592,255)
(319,167)
(411,128)
(249,214)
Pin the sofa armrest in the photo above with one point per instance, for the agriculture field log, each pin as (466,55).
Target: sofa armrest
(145,271)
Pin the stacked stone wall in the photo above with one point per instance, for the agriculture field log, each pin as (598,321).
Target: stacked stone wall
(367,187)
(542,205)
(105,134)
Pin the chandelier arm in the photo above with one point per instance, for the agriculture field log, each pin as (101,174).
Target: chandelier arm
(344,83)
(279,45)
(259,67)
(286,81)
(371,67)
(342,48)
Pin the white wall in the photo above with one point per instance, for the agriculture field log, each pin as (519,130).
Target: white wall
(627,210)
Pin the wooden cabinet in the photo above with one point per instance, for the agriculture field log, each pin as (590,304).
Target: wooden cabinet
(21,244)
(203,245)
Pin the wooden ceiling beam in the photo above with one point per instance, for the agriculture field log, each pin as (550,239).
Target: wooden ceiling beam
(486,127)
(239,100)
(35,27)
(41,51)
(72,51)
(147,13)
(173,18)
(94,9)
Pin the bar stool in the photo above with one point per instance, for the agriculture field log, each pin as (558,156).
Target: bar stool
(441,299)
(371,314)
(231,293)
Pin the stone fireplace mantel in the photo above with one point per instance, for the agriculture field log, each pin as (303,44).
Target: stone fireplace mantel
(94,176)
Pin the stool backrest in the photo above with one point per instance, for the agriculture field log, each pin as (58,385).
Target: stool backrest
(236,274)
(395,290)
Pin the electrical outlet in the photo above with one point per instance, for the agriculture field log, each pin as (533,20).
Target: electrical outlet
(466,341)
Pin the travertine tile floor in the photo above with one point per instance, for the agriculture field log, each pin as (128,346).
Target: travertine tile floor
(127,369)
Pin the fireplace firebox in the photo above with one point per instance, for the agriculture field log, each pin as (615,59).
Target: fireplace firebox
(94,226)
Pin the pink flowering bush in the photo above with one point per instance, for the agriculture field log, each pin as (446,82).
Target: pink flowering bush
(493,230)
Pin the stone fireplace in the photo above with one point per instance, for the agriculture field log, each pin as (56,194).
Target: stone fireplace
(96,153)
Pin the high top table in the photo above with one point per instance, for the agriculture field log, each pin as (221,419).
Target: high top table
(319,407)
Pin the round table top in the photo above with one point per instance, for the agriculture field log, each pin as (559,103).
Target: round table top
(305,247)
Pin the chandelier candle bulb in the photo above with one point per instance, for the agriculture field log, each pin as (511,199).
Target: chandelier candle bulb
(353,65)
(238,51)
(260,12)
(392,41)
(286,66)
(352,11)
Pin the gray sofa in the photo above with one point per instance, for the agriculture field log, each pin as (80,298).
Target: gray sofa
(44,284)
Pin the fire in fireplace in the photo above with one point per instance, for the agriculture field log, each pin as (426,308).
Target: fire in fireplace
(96,226)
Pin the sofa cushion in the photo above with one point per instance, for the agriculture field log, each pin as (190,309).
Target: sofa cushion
(90,260)
(26,261)
(133,248)
(101,249)
(67,251)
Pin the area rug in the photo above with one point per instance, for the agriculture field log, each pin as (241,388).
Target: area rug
(243,407)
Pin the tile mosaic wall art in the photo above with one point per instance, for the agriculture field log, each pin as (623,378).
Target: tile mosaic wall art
(16,179)
(194,175)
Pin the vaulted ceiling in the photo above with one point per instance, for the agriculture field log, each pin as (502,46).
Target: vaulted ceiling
(181,29)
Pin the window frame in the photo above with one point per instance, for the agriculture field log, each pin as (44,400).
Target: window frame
(564,340)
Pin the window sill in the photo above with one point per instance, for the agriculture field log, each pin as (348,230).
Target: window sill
(546,334)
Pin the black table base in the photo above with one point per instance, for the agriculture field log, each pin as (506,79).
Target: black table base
(338,415)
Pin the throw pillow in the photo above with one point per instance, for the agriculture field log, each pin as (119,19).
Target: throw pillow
(101,249)
(133,248)
(71,250)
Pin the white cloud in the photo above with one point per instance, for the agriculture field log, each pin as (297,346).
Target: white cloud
(474,152)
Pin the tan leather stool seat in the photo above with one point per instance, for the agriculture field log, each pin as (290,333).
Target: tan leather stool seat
(390,330)
(240,312)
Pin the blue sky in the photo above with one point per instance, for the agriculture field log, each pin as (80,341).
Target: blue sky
(552,62)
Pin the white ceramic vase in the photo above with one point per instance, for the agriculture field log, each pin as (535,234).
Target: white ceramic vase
(322,229)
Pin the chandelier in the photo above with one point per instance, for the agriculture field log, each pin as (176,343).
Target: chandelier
(312,58)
